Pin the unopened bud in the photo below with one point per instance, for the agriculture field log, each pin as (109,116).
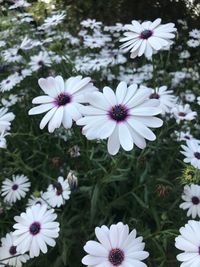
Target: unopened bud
(72,180)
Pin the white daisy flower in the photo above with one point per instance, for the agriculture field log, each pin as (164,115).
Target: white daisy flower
(91,23)
(147,37)
(191,196)
(122,117)
(167,100)
(183,112)
(195,33)
(116,247)
(183,136)
(62,100)
(19,3)
(28,43)
(192,153)
(57,193)
(53,21)
(11,55)
(10,253)
(39,61)
(35,229)
(15,189)
(193,43)
(10,82)
(36,201)
(5,119)
(189,242)
(3,142)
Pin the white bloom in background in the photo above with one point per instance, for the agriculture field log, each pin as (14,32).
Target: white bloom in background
(40,60)
(166,98)
(53,21)
(195,33)
(122,117)
(193,43)
(10,82)
(188,96)
(28,43)
(3,143)
(19,3)
(2,43)
(5,119)
(188,241)
(62,100)
(10,101)
(191,196)
(183,112)
(11,55)
(147,37)
(36,201)
(198,100)
(184,54)
(91,23)
(15,189)
(116,247)
(9,252)
(35,229)
(57,193)
(192,153)
(183,136)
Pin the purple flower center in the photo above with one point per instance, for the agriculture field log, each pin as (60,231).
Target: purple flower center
(118,113)
(154,96)
(35,228)
(12,250)
(15,187)
(146,34)
(195,200)
(59,189)
(38,202)
(197,155)
(199,250)
(8,81)
(116,256)
(41,63)
(182,114)
(63,99)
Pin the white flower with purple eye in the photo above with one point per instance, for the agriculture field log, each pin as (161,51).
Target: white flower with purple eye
(35,229)
(116,248)
(9,255)
(147,37)
(189,242)
(15,189)
(39,61)
(62,100)
(192,152)
(5,119)
(191,196)
(122,117)
(183,112)
(57,193)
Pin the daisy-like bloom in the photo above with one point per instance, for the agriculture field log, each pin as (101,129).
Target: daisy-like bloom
(19,3)
(122,117)
(116,247)
(189,242)
(167,100)
(195,33)
(191,196)
(36,201)
(53,21)
(3,143)
(193,43)
(5,119)
(192,153)
(40,60)
(147,37)
(35,229)
(15,189)
(62,100)
(11,55)
(10,253)
(10,82)
(183,112)
(91,23)
(28,43)
(57,193)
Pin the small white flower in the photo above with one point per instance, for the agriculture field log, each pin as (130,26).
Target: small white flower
(11,55)
(192,152)
(35,229)
(57,193)
(166,98)
(40,60)
(195,33)
(10,82)
(191,196)
(147,37)
(189,242)
(53,21)
(183,136)
(15,189)
(5,119)
(28,43)
(36,201)
(183,112)
(193,43)
(62,100)
(19,3)
(9,252)
(116,247)
(122,117)
(91,23)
